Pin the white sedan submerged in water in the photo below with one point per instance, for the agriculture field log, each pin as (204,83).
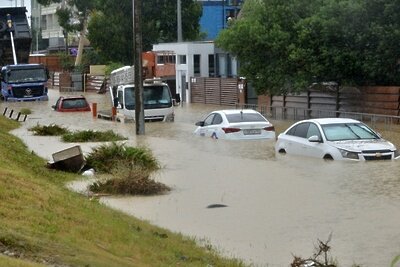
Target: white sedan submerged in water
(335,138)
(235,124)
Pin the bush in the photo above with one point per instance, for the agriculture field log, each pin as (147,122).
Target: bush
(130,168)
(50,130)
(92,136)
(66,61)
(78,136)
(130,180)
(107,157)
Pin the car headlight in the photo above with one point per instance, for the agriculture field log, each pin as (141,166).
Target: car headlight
(348,154)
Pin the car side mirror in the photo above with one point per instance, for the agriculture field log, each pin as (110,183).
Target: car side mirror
(314,139)
(200,123)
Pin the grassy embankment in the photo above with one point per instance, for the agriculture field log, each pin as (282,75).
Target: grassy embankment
(43,223)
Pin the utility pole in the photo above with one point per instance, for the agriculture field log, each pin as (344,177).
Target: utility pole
(137,59)
(179,20)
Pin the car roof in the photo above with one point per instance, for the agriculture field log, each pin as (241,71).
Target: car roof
(236,111)
(23,66)
(72,97)
(323,121)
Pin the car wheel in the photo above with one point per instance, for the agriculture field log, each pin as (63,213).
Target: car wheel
(328,157)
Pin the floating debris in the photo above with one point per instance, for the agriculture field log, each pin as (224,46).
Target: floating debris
(70,160)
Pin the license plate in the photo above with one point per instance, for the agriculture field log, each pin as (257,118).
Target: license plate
(251,131)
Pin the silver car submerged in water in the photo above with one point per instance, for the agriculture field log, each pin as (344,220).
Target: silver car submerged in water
(335,138)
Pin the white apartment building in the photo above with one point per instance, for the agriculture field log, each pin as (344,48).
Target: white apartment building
(45,18)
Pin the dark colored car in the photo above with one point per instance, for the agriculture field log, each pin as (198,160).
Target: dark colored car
(71,104)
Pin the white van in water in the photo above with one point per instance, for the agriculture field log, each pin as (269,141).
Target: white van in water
(157,98)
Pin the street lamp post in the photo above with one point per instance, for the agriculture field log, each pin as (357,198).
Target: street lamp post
(10,29)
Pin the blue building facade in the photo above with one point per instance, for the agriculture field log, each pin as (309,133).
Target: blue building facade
(216,14)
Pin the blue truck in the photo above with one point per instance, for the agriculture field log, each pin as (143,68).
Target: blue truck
(20,81)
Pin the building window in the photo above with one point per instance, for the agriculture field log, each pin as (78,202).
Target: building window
(182,59)
(211,66)
(171,59)
(160,59)
(196,65)
(228,65)
(44,22)
(165,59)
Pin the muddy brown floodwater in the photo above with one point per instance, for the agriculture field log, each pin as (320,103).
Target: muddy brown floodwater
(275,206)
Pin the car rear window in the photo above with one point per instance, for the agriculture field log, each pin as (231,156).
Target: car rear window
(74,103)
(244,117)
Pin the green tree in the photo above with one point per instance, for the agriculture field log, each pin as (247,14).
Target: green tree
(288,45)
(351,42)
(262,40)
(110,27)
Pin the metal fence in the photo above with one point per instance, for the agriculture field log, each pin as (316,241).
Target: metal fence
(295,114)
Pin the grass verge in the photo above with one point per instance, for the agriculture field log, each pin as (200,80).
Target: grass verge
(42,222)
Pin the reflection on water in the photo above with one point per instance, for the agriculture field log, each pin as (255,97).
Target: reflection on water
(276,206)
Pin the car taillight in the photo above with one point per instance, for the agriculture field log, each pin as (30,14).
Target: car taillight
(230,130)
(269,128)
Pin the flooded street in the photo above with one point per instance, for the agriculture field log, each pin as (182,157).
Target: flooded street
(276,207)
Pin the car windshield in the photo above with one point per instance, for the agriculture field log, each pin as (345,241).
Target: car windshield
(153,97)
(26,75)
(348,131)
(244,117)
